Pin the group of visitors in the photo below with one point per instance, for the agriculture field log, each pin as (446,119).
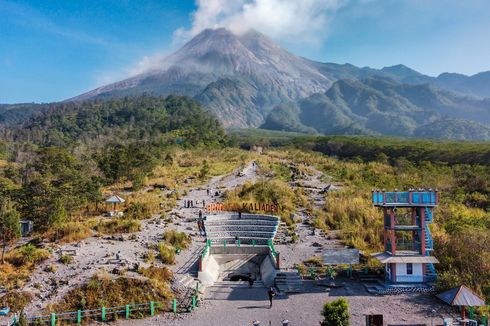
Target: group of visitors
(210,193)
(191,204)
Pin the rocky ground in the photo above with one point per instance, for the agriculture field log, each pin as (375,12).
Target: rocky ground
(231,304)
(113,253)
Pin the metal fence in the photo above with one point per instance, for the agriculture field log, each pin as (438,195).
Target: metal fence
(110,313)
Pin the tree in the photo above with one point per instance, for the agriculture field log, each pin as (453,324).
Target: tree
(56,213)
(336,313)
(9,225)
(204,170)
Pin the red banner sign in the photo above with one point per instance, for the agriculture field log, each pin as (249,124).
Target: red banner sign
(243,207)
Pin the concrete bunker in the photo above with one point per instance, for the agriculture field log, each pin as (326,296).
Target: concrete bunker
(239,247)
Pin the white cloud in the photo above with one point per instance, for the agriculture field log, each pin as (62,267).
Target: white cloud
(289,20)
(145,64)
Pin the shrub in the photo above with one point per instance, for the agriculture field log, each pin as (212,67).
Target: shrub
(50,268)
(68,232)
(26,255)
(66,259)
(158,273)
(336,313)
(314,262)
(166,253)
(137,211)
(150,256)
(177,239)
(16,300)
(118,225)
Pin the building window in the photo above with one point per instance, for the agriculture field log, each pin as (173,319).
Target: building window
(409,269)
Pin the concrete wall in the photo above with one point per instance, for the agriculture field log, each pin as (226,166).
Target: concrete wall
(238,260)
(234,250)
(210,271)
(416,276)
(268,271)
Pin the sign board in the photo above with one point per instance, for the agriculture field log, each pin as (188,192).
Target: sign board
(243,207)
(341,256)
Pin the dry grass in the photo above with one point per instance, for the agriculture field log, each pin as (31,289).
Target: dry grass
(20,263)
(166,253)
(178,240)
(117,225)
(26,256)
(16,300)
(12,277)
(102,291)
(269,191)
(69,232)
(159,276)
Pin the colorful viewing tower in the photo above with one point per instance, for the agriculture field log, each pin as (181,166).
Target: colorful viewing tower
(407,239)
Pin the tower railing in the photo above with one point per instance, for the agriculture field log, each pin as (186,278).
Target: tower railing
(386,198)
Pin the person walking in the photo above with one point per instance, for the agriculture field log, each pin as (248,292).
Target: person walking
(271,294)
(199,227)
(203,204)
(200,214)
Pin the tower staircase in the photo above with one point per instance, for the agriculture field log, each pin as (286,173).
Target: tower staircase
(430,273)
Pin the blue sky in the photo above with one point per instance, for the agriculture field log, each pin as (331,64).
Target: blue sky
(53,50)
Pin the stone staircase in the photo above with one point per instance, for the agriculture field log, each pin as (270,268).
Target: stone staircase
(186,282)
(289,282)
(238,284)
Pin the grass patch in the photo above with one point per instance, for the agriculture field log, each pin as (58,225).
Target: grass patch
(117,225)
(166,253)
(16,300)
(12,277)
(269,191)
(103,291)
(26,256)
(159,276)
(314,262)
(66,259)
(68,232)
(137,211)
(179,240)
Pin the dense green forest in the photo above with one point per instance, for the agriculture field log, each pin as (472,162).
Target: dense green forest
(141,118)
(57,162)
(369,148)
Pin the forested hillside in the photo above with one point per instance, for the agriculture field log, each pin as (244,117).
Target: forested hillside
(95,123)
(376,106)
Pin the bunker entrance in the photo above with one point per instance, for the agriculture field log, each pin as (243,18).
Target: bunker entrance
(238,264)
(239,267)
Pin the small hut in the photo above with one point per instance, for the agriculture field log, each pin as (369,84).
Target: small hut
(114,200)
(26,227)
(461,296)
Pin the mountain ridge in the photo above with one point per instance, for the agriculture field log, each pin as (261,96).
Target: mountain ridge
(375,106)
(243,78)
